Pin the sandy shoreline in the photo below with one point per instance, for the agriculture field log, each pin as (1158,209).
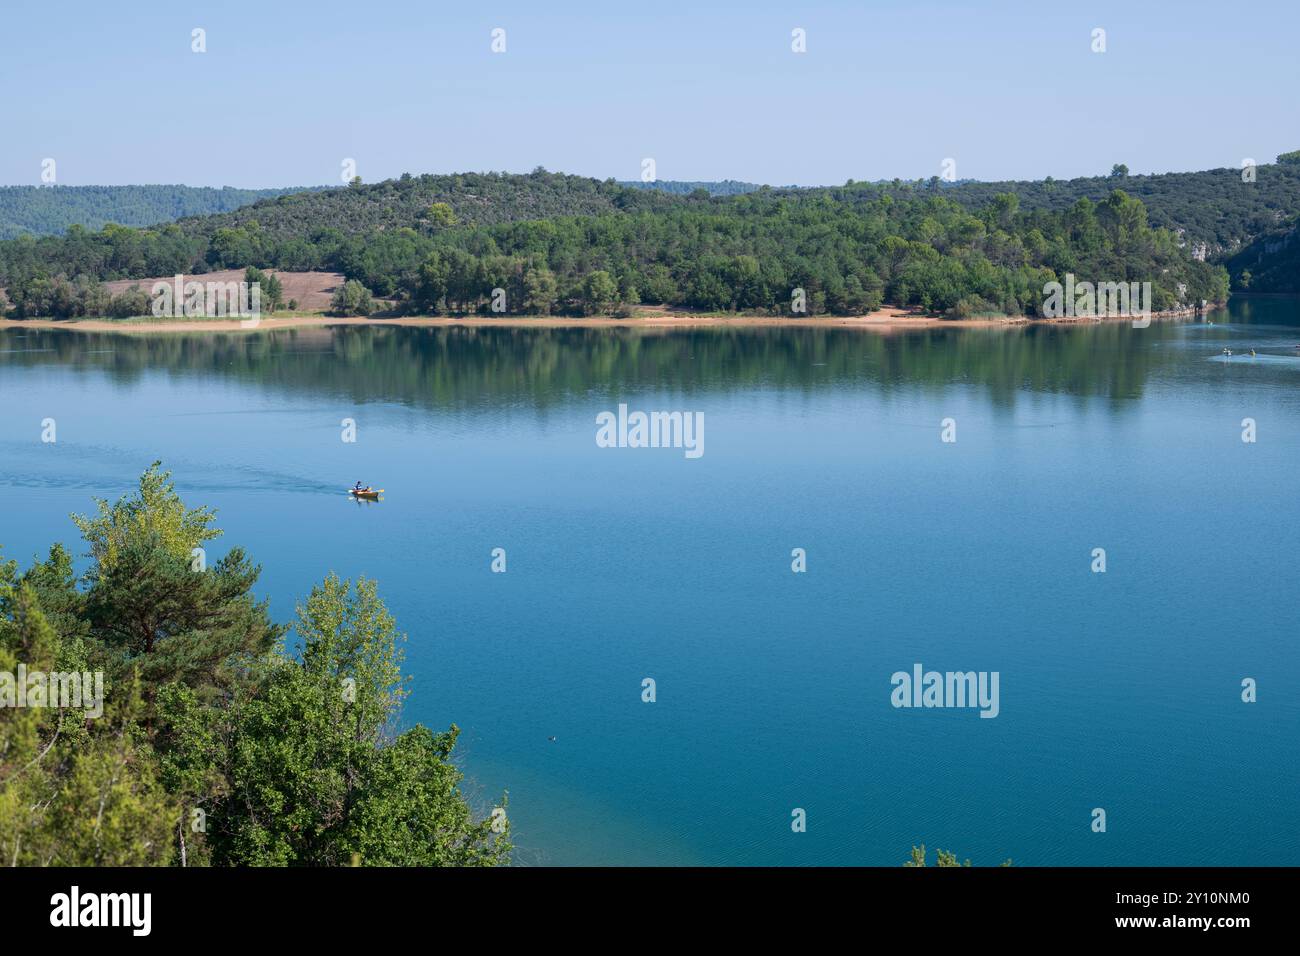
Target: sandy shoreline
(882,320)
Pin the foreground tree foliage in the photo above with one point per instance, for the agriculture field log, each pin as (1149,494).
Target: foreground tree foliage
(216,746)
(943,858)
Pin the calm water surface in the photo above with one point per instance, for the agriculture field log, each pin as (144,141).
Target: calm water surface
(1118,690)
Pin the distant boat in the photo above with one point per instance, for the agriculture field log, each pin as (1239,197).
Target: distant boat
(370,494)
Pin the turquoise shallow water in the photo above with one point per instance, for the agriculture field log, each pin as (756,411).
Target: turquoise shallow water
(1118,690)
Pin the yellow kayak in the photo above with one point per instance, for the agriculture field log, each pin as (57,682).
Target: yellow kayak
(371,493)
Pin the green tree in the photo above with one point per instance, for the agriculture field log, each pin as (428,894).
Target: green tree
(156,613)
(312,774)
(599,291)
(287,758)
(69,797)
(271,292)
(155,510)
(441,216)
(109,808)
(943,858)
(133,302)
(539,288)
(352,298)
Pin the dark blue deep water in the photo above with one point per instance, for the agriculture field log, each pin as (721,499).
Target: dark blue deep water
(1119,690)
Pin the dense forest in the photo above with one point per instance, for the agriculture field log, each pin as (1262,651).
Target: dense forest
(418,201)
(1214,208)
(50,210)
(1271,263)
(214,744)
(563,244)
(725,187)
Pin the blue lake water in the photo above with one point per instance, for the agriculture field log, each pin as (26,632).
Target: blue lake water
(1119,690)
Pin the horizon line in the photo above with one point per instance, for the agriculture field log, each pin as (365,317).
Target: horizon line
(627,182)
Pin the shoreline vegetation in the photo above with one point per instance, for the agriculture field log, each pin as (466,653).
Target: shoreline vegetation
(530,248)
(883,320)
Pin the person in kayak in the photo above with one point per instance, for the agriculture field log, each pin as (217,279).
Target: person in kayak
(358,489)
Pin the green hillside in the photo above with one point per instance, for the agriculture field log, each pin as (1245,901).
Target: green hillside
(1213,214)
(50,210)
(1214,207)
(1269,264)
(725,187)
(556,243)
(473,198)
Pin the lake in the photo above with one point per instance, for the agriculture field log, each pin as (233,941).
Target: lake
(1119,690)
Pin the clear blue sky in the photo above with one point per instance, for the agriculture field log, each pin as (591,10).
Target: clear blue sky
(287,90)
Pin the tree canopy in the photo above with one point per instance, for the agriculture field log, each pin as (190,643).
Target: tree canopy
(216,745)
(447,243)
(49,210)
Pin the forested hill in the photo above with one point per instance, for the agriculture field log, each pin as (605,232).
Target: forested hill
(572,244)
(1269,264)
(1215,213)
(725,187)
(472,199)
(50,210)
(546,243)
(1214,207)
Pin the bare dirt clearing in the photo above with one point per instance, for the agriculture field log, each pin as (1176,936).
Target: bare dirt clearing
(312,290)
